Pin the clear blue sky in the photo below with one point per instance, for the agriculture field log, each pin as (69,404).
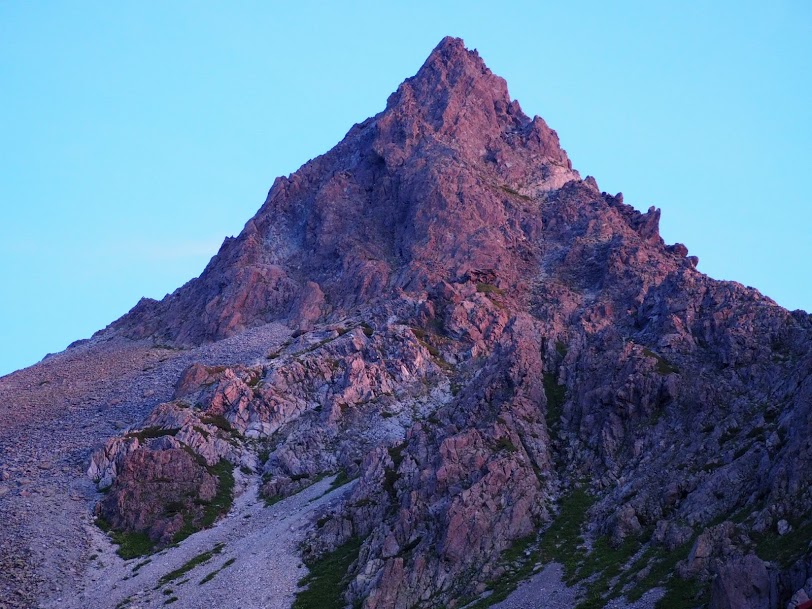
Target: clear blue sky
(136,135)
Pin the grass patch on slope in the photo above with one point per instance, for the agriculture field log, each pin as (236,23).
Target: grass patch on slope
(152,432)
(559,543)
(663,367)
(607,563)
(201,558)
(679,593)
(519,566)
(489,288)
(784,550)
(131,544)
(327,579)
(273,500)
(556,395)
(211,575)
(220,504)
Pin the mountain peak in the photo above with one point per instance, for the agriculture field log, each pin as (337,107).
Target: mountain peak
(475,335)
(452,55)
(451,70)
(456,101)
(451,44)
(411,198)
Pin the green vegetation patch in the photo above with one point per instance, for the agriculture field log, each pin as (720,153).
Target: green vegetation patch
(556,395)
(211,575)
(663,365)
(506,444)
(328,578)
(607,563)
(152,432)
(519,568)
(784,550)
(489,288)
(559,543)
(218,421)
(514,192)
(681,593)
(200,559)
(601,569)
(341,480)
(391,475)
(396,454)
(131,544)
(220,504)
(423,338)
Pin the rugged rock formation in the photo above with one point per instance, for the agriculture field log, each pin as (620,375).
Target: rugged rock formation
(480,334)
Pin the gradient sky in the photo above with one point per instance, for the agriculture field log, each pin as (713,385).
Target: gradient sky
(135,136)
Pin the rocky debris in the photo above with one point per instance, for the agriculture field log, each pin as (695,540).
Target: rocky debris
(478,333)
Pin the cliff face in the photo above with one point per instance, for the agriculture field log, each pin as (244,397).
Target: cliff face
(481,337)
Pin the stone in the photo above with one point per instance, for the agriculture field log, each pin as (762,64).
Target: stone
(743,583)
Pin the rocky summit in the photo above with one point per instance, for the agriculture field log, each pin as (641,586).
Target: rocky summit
(438,368)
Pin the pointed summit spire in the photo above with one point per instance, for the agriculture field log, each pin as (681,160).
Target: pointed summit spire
(454,96)
(455,100)
(451,44)
(403,201)
(452,68)
(452,57)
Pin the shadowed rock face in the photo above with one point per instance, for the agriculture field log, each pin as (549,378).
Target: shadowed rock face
(479,331)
